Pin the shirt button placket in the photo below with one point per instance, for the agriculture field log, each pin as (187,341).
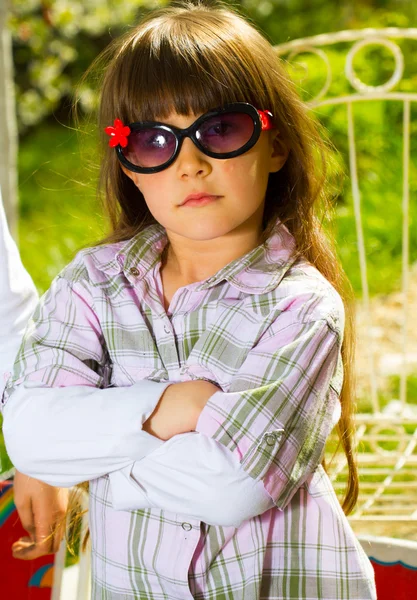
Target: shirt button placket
(168,347)
(186,546)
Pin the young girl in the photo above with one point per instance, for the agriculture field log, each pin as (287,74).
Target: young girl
(192,365)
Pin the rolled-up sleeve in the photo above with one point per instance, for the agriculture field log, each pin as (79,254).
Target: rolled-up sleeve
(280,408)
(62,423)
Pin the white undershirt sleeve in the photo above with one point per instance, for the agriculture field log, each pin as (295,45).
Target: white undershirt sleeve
(68,435)
(195,476)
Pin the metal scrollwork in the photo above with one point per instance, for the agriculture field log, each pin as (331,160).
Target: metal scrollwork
(362,87)
(321,54)
(397,435)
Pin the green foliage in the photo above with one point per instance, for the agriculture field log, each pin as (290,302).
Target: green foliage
(285,20)
(5,463)
(53,43)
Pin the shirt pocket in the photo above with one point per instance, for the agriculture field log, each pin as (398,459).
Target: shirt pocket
(219,353)
(133,356)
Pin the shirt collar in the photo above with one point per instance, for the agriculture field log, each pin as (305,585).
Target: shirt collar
(257,272)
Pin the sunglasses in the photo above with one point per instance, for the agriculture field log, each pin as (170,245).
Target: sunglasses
(151,146)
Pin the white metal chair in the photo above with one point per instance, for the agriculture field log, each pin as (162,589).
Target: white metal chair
(388,491)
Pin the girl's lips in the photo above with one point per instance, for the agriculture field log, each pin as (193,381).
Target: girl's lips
(200,201)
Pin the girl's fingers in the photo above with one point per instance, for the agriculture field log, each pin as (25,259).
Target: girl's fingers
(26,549)
(40,541)
(47,515)
(25,513)
(42,510)
(23,548)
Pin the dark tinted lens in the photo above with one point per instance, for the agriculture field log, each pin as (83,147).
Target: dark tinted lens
(226,133)
(149,147)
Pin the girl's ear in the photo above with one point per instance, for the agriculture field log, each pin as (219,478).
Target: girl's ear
(131,174)
(279,152)
(127,172)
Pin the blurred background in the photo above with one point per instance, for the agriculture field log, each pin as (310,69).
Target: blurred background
(51,197)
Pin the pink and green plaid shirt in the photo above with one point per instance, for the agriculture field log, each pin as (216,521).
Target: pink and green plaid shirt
(268,331)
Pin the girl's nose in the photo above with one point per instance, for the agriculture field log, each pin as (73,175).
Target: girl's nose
(191,161)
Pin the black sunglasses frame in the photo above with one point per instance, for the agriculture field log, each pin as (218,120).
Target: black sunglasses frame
(180,134)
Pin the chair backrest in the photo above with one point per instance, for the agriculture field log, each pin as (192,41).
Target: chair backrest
(386,325)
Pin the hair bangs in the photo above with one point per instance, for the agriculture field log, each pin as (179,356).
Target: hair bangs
(186,72)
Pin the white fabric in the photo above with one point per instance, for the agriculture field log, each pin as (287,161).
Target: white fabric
(88,431)
(194,475)
(85,437)
(18,298)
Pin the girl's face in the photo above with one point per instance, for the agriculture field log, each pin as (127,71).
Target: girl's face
(240,183)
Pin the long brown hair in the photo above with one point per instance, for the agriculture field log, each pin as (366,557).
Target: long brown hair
(189,58)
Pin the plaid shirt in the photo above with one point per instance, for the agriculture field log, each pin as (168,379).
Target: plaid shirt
(268,331)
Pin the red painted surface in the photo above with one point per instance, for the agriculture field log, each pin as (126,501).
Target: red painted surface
(395,581)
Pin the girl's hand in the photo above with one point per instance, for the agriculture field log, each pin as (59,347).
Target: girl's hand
(40,507)
(179,408)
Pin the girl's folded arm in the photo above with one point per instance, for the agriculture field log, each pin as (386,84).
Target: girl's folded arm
(62,425)
(193,475)
(236,469)
(291,417)
(278,426)
(68,435)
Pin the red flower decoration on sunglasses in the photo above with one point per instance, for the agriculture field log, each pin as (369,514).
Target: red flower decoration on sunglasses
(118,134)
(266,119)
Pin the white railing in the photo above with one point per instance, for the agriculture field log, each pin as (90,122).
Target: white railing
(388,488)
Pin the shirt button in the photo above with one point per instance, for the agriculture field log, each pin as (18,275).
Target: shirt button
(134,271)
(270,439)
(186,526)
